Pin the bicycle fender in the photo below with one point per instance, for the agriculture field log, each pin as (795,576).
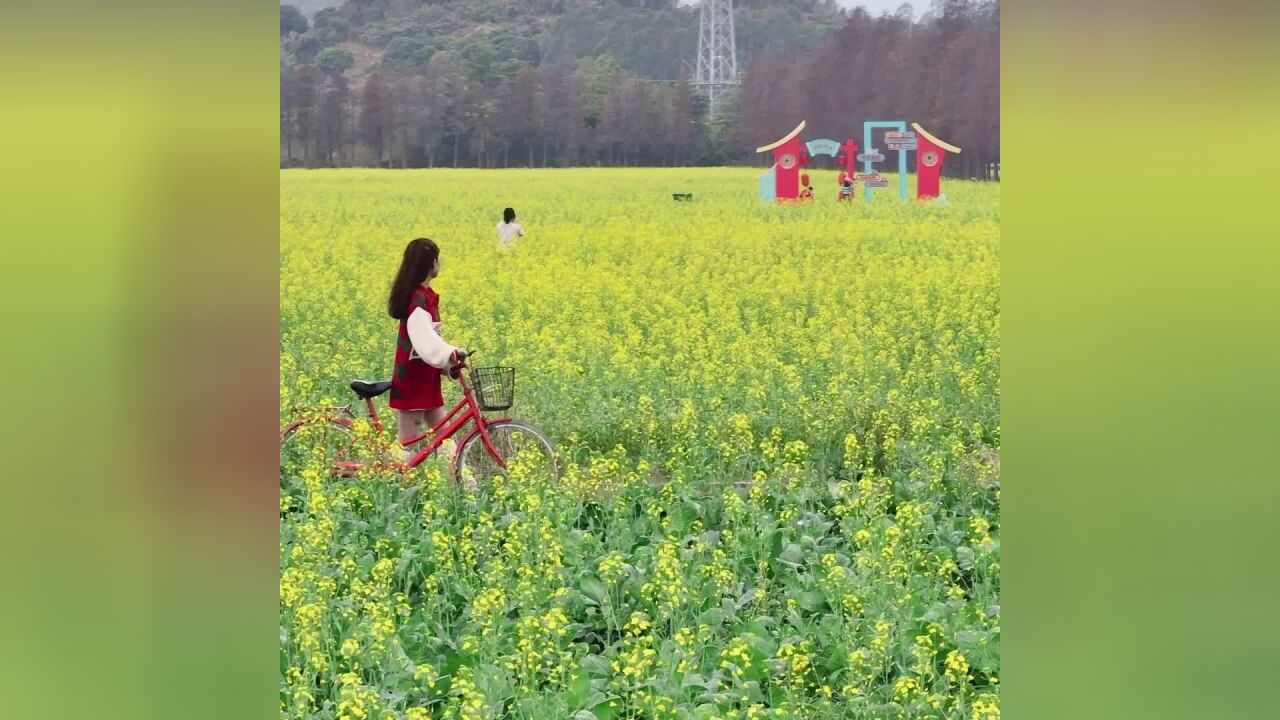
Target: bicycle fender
(336,419)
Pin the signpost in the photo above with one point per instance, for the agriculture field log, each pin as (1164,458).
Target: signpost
(900,140)
(897,135)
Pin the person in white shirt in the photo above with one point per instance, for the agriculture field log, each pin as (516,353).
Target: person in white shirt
(509,229)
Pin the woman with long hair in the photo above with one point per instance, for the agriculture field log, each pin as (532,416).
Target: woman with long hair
(420,352)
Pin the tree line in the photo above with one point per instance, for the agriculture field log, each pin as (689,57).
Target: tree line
(586,114)
(450,108)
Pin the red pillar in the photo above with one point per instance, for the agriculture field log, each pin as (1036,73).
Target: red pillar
(788,159)
(929,157)
(930,153)
(847,158)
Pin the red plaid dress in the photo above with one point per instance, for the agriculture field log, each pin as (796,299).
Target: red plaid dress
(415,385)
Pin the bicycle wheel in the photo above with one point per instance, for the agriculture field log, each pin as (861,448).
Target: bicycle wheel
(323,438)
(515,441)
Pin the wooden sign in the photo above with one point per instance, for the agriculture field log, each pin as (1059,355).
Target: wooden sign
(872,155)
(900,140)
(822,147)
(879,182)
(870,178)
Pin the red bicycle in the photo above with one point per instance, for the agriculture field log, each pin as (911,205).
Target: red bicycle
(483,451)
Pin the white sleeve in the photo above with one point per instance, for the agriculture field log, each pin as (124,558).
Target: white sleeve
(426,342)
(519,229)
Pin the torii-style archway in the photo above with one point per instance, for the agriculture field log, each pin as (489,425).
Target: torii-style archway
(790,157)
(783,179)
(930,152)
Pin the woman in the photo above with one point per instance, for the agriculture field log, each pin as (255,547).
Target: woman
(420,352)
(509,229)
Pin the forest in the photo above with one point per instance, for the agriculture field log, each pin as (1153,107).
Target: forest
(560,83)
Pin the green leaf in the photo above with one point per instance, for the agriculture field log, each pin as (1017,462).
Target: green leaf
(596,666)
(706,712)
(755,627)
(593,588)
(604,712)
(812,601)
(683,516)
(713,617)
(693,680)
(775,541)
(579,687)
(792,555)
(763,647)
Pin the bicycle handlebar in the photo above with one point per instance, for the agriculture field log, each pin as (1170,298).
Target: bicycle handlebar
(463,355)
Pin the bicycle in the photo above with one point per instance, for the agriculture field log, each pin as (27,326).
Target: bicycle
(483,452)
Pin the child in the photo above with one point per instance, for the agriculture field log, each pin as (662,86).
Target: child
(807,192)
(420,352)
(846,186)
(509,229)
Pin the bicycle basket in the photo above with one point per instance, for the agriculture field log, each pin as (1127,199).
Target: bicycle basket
(495,387)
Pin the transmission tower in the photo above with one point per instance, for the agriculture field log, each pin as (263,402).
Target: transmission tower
(717,72)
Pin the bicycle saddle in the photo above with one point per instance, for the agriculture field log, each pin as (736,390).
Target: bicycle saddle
(366,389)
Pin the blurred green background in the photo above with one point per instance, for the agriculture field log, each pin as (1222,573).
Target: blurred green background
(1139,351)
(140,273)
(140,282)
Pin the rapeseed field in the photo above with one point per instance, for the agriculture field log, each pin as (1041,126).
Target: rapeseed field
(779,429)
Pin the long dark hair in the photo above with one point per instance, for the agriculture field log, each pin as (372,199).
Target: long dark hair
(419,262)
(508,215)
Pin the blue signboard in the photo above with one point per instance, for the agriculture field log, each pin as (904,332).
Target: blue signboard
(769,185)
(822,147)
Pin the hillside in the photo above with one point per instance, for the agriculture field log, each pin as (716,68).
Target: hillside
(488,83)
(651,39)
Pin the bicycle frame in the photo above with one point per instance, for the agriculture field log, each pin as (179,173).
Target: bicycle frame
(465,411)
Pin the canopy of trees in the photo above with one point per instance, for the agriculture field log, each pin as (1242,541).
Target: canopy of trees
(495,83)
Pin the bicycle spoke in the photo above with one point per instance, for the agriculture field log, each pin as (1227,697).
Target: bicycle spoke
(313,444)
(514,443)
